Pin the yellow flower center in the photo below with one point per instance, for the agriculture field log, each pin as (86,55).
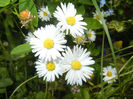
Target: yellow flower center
(98,17)
(45,13)
(90,34)
(70,20)
(109,74)
(78,39)
(50,66)
(48,43)
(76,65)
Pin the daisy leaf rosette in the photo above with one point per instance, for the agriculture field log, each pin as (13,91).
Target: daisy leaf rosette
(48,70)
(109,73)
(69,21)
(47,42)
(44,14)
(76,63)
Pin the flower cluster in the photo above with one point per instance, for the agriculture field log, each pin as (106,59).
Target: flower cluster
(49,44)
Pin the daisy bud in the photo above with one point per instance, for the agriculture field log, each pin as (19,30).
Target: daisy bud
(24,15)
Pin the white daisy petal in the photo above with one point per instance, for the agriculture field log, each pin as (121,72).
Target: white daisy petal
(47,42)
(72,64)
(68,20)
(109,72)
(44,14)
(48,70)
(91,35)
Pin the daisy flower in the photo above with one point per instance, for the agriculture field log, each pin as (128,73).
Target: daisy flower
(69,20)
(91,35)
(47,42)
(44,14)
(97,16)
(80,39)
(109,73)
(48,70)
(76,63)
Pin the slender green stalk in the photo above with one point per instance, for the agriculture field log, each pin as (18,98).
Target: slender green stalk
(107,34)
(102,91)
(126,73)
(46,90)
(125,48)
(127,54)
(20,29)
(126,64)
(6,94)
(52,93)
(131,53)
(106,30)
(22,85)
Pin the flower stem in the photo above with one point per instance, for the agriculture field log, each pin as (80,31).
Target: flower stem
(106,30)
(22,85)
(102,91)
(46,89)
(125,64)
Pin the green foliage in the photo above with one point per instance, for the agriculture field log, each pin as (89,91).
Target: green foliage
(2,90)
(40,95)
(21,49)
(52,6)
(4,3)
(86,93)
(88,2)
(5,82)
(81,10)
(92,23)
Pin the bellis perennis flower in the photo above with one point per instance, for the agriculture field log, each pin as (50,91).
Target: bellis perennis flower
(76,63)
(47,42)
(109,73)
(91,35)
(97,16)
(44,14)
(48,70)
(69,20)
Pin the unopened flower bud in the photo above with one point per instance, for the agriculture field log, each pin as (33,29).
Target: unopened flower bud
(24,15)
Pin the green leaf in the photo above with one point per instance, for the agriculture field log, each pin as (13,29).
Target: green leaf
(4,3)
(40,95)
(81,10)
(29,5)
(88,2)
(2,90)
(92,23)
(21,49)
(52,6)
(96,51)
(86,93)
(5,82)
(3,72)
